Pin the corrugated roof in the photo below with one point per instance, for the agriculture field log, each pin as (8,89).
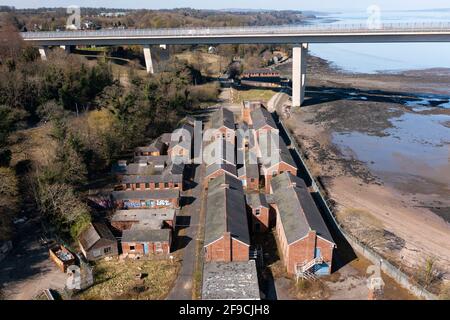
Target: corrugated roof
(225,210)
(297,209)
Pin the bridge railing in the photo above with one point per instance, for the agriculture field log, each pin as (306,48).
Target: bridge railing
(282,29)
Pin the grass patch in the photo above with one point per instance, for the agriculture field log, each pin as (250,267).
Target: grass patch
(117,280)
(238,96)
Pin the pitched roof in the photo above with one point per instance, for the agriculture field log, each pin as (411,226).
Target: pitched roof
(274,150)
(226,167)
(94,233)
(182,137)
(220,151)
(261,117)
(222,117)
(145,233)
(256,200)
(225,210)
(250,167)
(298,212)
(156,146)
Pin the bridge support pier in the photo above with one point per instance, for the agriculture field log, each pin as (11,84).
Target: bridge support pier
(43,52)
(67,49)
(299,74)
(148,59)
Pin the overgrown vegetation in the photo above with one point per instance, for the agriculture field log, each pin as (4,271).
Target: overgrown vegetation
(132,279)
(428,274)
(92,117)
(46,19)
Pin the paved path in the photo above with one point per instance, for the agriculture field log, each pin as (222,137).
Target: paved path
(182,289)
(27,270)
(277,101)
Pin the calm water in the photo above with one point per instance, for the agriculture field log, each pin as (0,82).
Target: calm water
(417,145)
(393,57)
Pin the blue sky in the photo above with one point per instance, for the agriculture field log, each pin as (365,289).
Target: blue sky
(334,5)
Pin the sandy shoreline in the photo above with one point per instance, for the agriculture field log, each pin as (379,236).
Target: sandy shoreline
(401,216)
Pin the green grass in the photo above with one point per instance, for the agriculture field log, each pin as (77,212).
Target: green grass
(252,94)
(117,280)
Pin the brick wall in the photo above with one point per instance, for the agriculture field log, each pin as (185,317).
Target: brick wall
(139,248)
(153,186)
(263,218)
(226,249)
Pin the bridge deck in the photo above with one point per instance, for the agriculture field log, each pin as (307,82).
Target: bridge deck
(414,32)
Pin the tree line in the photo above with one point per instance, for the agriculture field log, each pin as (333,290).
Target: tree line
(93,120)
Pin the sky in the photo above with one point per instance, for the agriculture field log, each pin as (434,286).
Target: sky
(322,5)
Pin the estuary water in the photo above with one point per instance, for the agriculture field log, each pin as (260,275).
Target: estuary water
(416,148)
(386,57)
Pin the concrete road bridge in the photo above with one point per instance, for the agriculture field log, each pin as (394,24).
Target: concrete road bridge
(298,36)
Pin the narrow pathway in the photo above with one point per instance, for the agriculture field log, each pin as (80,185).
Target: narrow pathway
(182,289)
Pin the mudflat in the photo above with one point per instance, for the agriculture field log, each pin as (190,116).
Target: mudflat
(380,145)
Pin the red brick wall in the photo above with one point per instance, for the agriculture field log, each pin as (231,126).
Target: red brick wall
(229,134)
(239,250)
(215,251)
(226,249)
(253,185)
(246,115)
(302,250)
(139,248)
(215,174)
(152,186)
(262,218)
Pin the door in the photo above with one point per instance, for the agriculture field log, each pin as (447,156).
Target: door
(317,253)
(145,248)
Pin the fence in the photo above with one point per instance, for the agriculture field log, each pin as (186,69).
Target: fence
(281,29)
(388,268)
